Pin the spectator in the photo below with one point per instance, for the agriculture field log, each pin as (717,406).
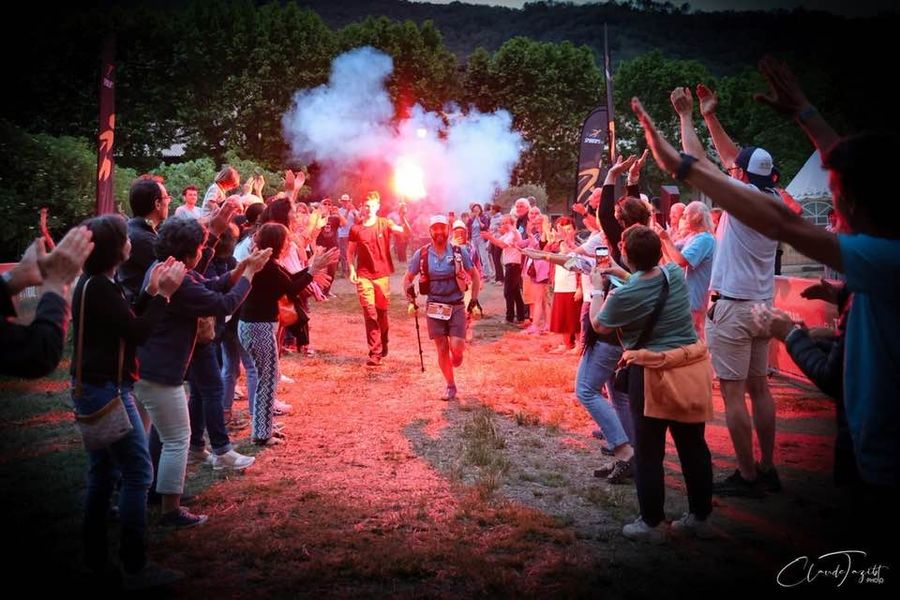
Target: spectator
(107,331)
(652,313)
(149,201)
(189,208)
(512,267)
(164,357)
(226,180)
(743,273)
(694,253)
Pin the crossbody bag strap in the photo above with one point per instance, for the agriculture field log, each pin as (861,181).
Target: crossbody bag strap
(654,316)
(79,344)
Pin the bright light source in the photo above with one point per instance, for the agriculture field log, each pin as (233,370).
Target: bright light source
(409,179)
(421,132)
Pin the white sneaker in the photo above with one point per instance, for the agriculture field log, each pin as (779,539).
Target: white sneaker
(286,379)
(282,408)
(689,524)
(641,532)
(199,457)
(232,460)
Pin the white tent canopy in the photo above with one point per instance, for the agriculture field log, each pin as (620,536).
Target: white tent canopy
(811,182)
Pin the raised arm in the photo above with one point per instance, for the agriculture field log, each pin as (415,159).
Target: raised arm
(725,147)
(787,97)
(755,209)
(683,103)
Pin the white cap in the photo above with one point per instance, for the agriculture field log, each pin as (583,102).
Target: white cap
(345,197)
(458,224)
(438,219)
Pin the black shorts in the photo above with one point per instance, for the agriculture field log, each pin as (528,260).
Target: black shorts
(455,327)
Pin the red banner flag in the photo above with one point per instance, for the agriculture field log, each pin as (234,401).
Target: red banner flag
(105,196)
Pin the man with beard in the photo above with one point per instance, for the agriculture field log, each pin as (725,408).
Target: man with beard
(442,270)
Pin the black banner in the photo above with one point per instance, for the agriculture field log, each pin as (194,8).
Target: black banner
(593,149)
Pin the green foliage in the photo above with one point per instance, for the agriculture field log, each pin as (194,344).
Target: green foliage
(549,89)
(424,70)
(45,171)
(652,77)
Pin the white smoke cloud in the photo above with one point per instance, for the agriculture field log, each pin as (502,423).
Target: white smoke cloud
(348,121)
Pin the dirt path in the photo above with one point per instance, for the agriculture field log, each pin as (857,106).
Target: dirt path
(383,489)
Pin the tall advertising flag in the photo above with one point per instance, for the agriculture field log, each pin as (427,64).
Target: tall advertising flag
(105,196)
(597,144)
(592,152)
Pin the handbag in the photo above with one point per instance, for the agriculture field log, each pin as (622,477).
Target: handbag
(206,329)
(620,378)
(287,312)
(111,423)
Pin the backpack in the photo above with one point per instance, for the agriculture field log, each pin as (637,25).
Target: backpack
(462,281)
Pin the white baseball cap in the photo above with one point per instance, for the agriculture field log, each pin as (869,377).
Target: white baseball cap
(458,224)
(438,220)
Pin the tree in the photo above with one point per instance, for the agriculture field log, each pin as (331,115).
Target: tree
(424,70)
(652,77)
(549,89)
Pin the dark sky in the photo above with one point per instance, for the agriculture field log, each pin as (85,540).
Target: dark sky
(844,7)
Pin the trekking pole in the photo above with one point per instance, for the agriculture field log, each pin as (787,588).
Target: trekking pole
(414,309)
(419,338)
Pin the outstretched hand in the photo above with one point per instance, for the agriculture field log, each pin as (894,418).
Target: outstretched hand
(622,164)
(824,290)
(708,100)
(682,101)
(785,94)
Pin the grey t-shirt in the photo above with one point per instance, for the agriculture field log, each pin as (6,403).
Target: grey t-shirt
(744,262)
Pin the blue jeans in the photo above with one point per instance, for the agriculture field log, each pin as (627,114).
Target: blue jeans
(205,406)
(128,461)
(594,371)
(232,353)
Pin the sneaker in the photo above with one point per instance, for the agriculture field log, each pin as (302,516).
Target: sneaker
(272,441)
(282,408)
(736,485)
(768,478)
(450,394)
(181,518)
(607,451)
(604,471)
(286,379)
(232,460)
(151,576)
(622,472)
(199,457)
(641,532)
(532,330)
(689,524)
(374,361)
(308,352)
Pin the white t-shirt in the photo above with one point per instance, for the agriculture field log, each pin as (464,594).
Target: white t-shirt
(184,212)
(564,281)
(744,262)
(244,248)
(511,254)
